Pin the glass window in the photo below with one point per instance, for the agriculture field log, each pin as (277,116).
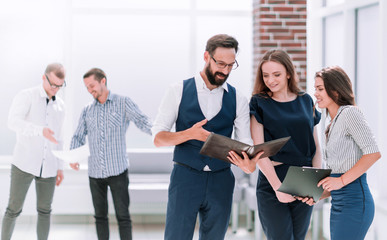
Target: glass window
(329,3)
(244,5)
(29,41)
(140,60)
(333,40)
(366,61)
(367,73)
(133,4)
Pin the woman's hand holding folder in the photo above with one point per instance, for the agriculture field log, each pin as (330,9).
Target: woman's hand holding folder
(246,164)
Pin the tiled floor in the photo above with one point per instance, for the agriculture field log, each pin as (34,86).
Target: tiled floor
(145,228)
(25,230)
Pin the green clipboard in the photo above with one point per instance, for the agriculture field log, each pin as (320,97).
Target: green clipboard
(302,181)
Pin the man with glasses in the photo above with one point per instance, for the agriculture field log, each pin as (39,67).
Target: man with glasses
(198,106)
(36,115)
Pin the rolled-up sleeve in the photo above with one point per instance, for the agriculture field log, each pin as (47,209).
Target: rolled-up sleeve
(242,120)
(168,109)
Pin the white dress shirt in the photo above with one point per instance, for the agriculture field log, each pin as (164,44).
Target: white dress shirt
(210,102)
(28,115)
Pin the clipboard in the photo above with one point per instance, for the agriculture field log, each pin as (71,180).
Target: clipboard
(218,146)
(302,181)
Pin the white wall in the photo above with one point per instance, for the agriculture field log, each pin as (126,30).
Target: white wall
(31,35)
(142,45)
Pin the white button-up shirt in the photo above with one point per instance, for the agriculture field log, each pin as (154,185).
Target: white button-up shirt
(29,114)
(210,102)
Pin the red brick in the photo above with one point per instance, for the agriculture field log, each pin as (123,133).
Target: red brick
(270,23)
(300,9)
(298,30)
(293,23)
(276,2)
(298,55)
(264,9)
(297,51)
(267,16)
(299,58)
(293,44)
(263,50)
(277,30)
(268,44)
(303,2)
(283,9)
(289,16)
(301,37)
(290,35)
(283,37)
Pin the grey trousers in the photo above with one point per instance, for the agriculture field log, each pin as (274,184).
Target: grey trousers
(20,183)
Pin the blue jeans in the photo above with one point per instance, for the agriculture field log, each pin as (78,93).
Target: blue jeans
(119,188)
(20,183)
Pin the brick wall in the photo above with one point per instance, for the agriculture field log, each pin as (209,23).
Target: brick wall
(281,24)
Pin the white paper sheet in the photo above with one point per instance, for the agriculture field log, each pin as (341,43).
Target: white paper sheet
(79,155)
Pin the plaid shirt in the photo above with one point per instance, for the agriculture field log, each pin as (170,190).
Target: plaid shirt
(106,125)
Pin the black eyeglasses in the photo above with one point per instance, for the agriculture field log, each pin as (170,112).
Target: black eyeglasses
(54,86)
(223,65)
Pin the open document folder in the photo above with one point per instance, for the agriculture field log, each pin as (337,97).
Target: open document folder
(302,181)
(218,146)
(80,154)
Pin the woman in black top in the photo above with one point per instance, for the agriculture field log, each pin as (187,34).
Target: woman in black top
(278,109)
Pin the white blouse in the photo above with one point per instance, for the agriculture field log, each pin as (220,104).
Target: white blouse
(349,138)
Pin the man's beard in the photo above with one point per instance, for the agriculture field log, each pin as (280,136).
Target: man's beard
(211,77)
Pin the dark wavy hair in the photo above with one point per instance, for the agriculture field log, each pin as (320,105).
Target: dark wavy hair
(281,57)
(221,40)
(337,85)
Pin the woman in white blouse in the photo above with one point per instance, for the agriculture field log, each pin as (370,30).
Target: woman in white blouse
(350,150)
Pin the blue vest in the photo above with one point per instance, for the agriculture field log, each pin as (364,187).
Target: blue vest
(190,113)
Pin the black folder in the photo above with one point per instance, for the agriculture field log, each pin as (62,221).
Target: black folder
(302,181)
(218,146)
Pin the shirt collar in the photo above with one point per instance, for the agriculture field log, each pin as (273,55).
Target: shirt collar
(341,108)
(43,93)
(200,84)
(110,97)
